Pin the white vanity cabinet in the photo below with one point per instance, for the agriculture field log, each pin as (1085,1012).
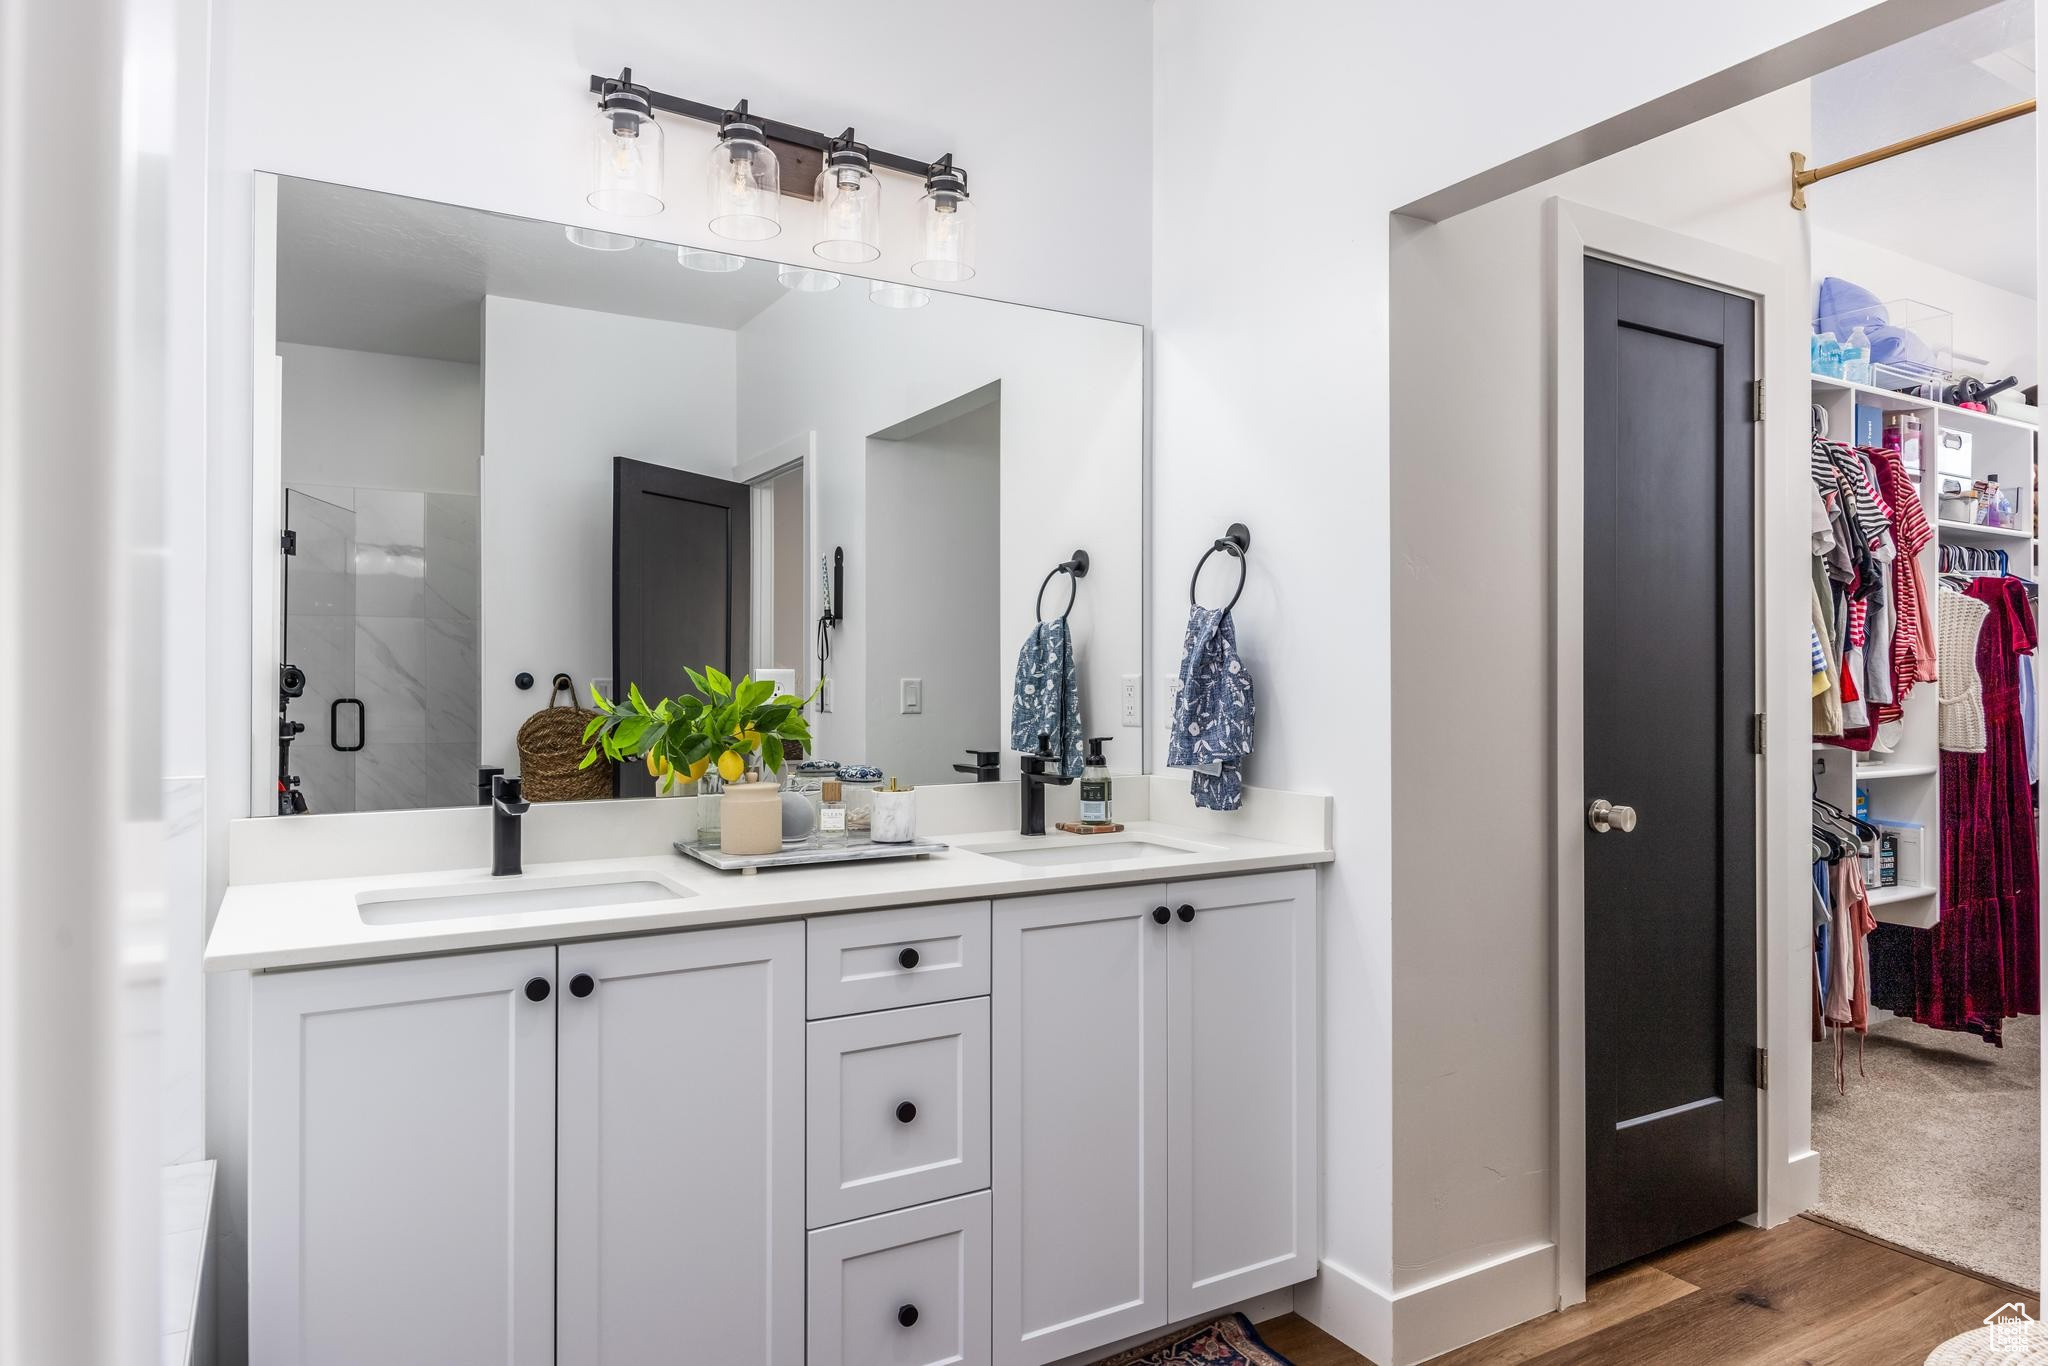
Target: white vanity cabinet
(1153,1065)
(402,1163)
(680,1119)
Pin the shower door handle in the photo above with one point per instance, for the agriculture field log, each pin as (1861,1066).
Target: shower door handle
(1605,816)
(334,723)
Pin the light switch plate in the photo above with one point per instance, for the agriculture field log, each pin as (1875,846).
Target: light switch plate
(1133,699)
(912,703)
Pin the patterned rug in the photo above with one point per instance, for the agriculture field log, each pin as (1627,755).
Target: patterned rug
(1229,1341)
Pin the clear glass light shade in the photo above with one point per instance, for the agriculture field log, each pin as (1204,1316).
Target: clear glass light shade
(745,186)
(946,222)
(804,280)
(593,239)
(710,262)
(625,147)
(889,294)
(849,215)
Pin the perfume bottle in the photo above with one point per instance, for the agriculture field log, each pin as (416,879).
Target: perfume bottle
(831,815)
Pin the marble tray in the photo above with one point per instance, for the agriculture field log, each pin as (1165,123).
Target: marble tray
(855,850)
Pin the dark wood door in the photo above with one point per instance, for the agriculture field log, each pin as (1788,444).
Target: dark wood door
(679,583)
(1671,906)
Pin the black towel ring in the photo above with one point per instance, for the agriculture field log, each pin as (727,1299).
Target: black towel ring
(1237,542)
(1075,569)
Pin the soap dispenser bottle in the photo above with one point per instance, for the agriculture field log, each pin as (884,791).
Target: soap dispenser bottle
(1095,784)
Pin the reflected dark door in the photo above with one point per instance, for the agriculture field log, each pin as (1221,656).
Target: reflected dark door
(1671,1101)
(679,583)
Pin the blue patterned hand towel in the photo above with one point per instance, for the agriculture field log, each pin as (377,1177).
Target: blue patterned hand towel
(1047,699)
(1212,711)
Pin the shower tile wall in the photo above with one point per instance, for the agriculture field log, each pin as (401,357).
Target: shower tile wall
(414,560)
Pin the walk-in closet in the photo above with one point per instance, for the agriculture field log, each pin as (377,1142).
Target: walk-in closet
(1925,559)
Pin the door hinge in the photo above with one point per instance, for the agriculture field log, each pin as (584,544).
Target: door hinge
(1756,400)
(289,543)
(1763,1069)
(1756,733)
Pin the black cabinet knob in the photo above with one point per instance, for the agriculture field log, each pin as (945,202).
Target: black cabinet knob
(581,984)
(1187,913)
(1161,914)
(907,1315)
(905,1112)
(537,988)
(908,958)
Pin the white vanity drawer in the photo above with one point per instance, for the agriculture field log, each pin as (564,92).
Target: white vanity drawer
(928,1265)
(898,1109)
(877,960)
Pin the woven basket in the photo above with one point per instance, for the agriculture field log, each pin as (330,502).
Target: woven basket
(550,748)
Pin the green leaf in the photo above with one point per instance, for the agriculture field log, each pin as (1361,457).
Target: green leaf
(769,718)
(698,681)
(771,753)
(597,699)
(633,696)
(721,686)
(754,692)
(596,722)
(589,758)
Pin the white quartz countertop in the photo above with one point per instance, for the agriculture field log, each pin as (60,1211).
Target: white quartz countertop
(281,924)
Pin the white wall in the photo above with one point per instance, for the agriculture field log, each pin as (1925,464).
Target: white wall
(1995,324)
(1072,476)
(1270,403)
(361,419)
(933,543)
(566,390)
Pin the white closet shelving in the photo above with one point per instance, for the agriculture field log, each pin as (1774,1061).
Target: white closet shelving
(1904,785)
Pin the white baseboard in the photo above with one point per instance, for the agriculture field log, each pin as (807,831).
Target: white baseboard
(1435,1317)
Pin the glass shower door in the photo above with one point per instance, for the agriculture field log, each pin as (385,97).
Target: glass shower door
(320,638)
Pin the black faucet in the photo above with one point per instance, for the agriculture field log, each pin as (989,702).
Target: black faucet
(507,806)
(1034,780)
(986,768)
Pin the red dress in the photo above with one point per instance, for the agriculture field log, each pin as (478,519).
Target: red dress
(1981,964)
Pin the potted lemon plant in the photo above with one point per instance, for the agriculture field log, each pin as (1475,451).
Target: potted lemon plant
(723,736)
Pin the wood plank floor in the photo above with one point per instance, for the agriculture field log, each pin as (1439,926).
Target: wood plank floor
(1803,1292)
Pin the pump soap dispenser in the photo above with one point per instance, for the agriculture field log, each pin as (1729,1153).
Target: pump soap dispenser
(1095,798)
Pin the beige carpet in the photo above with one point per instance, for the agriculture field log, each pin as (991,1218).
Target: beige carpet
(1938,1148)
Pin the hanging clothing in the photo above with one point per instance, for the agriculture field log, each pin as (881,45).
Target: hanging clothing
(1961,718)
(1981,964)
(1046,699)
(1212,711)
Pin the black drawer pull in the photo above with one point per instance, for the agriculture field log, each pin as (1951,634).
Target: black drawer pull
(537,988)
(581,985)
(1161,914)
(905,1112)
(907,958)
(1187,913)
(907,1315)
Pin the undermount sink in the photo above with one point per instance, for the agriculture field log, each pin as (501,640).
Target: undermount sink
(1047,851)
(523,896)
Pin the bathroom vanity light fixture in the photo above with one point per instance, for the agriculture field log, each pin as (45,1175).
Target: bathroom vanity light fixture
(889,294)
(625,150)
(946,222)
(710,262)
(757,159)
(849,204)
(594,240)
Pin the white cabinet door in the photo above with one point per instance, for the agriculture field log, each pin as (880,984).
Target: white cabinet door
(1078,1067)
(681,1199)
(1241,1087)
(402,1163)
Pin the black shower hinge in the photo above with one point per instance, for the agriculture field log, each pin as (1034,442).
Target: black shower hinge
(1756,400)
(289,542)
(1756,733)
(1763,1069)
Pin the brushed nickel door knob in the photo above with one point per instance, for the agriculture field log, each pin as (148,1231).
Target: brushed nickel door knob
(1604,816)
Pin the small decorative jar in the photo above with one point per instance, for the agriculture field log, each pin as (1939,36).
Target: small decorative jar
(894,815)
(751,818)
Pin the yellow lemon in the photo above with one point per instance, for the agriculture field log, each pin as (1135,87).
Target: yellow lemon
(657,765)
(731,766)
(698,769)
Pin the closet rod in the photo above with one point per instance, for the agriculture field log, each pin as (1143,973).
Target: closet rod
(1801,177)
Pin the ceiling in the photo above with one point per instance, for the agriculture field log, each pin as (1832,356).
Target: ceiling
(380,272)
(1966,204)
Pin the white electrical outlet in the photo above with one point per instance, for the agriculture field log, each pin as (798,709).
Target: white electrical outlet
(1134,699)
(912,702)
